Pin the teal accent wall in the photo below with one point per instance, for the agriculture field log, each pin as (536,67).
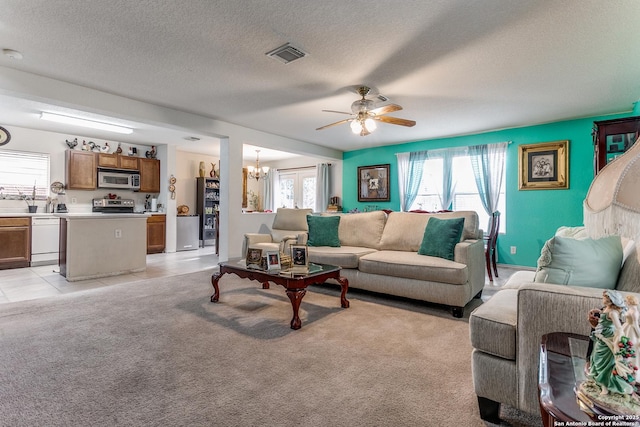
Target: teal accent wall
(533,216)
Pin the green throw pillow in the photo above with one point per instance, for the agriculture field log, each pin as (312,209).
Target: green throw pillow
(580,262)
(441,236)
(323,230)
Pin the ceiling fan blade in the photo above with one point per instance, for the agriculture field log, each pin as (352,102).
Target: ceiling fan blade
(334,111)
(386,109)
(334,124)
(395,121)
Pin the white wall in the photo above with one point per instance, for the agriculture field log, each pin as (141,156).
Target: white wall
(187,170)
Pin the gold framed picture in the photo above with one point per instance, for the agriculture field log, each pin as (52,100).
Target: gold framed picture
(543,166)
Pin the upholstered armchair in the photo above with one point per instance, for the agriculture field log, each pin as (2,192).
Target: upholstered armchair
(289,227)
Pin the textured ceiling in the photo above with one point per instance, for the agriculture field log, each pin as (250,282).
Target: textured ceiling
(457,67)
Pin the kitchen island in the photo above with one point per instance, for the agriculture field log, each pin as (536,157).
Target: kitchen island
(96,245)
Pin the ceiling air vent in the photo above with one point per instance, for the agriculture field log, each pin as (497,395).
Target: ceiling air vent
(286,53)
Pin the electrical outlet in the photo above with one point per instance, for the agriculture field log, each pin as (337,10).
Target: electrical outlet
(74,200)
(118,233)
(513,250)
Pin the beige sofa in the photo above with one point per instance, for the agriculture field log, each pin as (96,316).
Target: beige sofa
(506,332)
(379,253)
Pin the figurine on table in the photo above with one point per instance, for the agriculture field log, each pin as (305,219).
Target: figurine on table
(608,367)
(631,330)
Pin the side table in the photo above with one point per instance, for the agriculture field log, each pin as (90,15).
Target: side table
(562,357)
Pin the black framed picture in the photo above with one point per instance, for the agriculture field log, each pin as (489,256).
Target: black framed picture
(373,183)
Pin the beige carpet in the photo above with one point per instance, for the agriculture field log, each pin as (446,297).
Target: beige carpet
(157,352)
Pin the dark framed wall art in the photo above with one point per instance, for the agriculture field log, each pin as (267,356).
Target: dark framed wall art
(543,166)
(373,183)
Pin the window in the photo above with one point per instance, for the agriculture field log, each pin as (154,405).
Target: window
(21,171)
(466,195)
(298,189)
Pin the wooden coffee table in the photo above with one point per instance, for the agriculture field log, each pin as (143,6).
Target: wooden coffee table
(296,286)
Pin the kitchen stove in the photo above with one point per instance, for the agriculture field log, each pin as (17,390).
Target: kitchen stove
(113,205)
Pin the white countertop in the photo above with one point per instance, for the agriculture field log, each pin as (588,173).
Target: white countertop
(98,215)
(25,214)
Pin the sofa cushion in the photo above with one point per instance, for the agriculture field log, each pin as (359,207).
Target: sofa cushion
(580,262)
(362,229)
(404,230)
(492,326)
(344,256)
(291,219)
(323,230)
(410,265)
(441,236)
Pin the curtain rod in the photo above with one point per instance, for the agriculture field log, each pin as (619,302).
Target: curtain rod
(462,146)
(301,167)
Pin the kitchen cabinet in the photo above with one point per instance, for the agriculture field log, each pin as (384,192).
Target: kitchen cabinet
(15,235)
(117,161)
(156,233)
(81,170)
(612,138)
(149,175)
(207,206)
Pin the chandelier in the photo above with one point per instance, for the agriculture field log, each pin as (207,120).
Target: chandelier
(257,172)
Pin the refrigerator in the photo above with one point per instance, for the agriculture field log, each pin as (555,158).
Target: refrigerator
(188,229)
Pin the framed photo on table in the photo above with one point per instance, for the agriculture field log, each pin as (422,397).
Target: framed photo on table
(373,183)
(273,261)
(299,259)
(543,166)
(254,258)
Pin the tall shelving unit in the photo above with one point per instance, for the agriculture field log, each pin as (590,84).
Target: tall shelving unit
(208,207)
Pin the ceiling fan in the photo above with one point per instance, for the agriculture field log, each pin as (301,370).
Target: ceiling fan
(365,116)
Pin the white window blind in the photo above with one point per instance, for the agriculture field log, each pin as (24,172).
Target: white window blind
(20,171)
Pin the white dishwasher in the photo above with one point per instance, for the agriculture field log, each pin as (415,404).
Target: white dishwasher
(45,236)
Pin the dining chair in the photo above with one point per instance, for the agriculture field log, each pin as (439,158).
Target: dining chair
(490,242)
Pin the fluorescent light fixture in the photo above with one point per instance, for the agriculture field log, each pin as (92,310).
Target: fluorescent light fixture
(77,121)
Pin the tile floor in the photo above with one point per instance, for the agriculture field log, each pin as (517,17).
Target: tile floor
(45,281)
(20,284)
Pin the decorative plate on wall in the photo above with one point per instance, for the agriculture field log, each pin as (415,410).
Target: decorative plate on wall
(5,136)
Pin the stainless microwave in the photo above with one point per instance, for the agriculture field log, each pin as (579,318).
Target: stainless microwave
(119,179)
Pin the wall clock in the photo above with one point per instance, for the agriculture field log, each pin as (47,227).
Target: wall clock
(5,136)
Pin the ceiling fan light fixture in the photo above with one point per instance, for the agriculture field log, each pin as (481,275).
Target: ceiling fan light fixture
(370,124)
(356,127)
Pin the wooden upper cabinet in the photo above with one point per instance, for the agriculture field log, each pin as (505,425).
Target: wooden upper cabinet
(81,170)
(149,175)
(117,161)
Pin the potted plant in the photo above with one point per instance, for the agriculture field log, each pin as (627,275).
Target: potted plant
(31,206)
